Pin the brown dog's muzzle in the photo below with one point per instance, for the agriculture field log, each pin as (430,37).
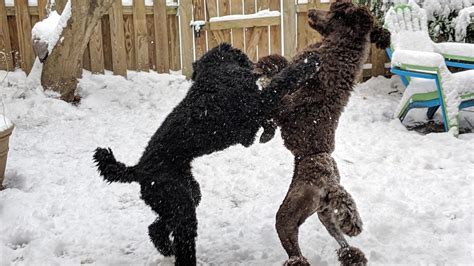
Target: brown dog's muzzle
(316,16)
(317,19)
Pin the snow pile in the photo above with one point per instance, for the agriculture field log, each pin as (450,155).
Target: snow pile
(462,22)
(414,192)
(261,14)
(49,29)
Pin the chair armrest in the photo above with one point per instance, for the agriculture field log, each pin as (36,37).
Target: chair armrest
(457,51)
(422,61)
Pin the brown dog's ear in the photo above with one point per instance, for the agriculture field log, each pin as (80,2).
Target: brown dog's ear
(340,7)
(380,36)
(360,18)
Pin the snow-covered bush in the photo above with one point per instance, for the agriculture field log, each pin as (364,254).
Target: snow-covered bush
(442,15)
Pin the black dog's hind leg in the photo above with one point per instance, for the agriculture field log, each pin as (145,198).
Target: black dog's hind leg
(159,232)
(185,234)
(195,192)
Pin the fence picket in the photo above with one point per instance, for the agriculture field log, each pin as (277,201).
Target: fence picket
(185,17)
(95,50)
(6,60)
(140,32)
(237,34)
(24,34)
(117,39)
(161,36)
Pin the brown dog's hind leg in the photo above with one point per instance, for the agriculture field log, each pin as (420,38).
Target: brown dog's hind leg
(299,204)
(303,199)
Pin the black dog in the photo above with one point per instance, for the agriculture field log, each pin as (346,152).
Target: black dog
(223,107)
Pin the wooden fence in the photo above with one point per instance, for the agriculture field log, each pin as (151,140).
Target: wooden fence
(160,37)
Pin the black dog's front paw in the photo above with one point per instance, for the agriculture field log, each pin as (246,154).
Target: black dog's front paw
(268,134)
(308,68)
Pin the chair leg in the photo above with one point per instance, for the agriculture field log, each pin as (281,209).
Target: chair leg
(442,105)
(431,111)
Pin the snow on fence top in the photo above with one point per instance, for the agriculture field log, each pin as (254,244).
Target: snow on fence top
(261,14)
(124,2)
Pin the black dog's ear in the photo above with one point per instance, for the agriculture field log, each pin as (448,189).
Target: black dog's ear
(225,47)
(195,69)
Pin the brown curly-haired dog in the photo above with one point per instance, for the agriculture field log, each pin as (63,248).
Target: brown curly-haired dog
(308,117)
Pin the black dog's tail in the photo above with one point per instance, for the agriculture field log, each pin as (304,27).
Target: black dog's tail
(112,170)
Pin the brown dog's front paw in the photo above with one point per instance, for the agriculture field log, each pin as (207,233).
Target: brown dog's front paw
(297,261)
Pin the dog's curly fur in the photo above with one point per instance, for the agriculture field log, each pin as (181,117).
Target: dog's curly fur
(223,107)
(308,117)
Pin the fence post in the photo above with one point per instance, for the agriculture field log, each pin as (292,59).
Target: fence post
(185,17)
(6,61)
(289,28)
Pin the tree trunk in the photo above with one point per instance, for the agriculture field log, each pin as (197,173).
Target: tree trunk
(65,61)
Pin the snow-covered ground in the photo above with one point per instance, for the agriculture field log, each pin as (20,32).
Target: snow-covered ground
(414,192)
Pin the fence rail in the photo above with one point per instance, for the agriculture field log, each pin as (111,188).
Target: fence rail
(160,37)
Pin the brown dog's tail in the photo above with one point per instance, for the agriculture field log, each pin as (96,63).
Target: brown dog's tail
(114,171)
(380,36)
(270,65)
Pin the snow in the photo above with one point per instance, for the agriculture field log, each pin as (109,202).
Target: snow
(462,22)
(412,45)
(124,2)
(261,14)
(5,123)
(414,191)
(444,7)
(452,48)
(417,58)
(12,2)
(49,29)
(197,24)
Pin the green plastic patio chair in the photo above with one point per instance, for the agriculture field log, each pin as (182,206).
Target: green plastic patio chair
(422,66)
